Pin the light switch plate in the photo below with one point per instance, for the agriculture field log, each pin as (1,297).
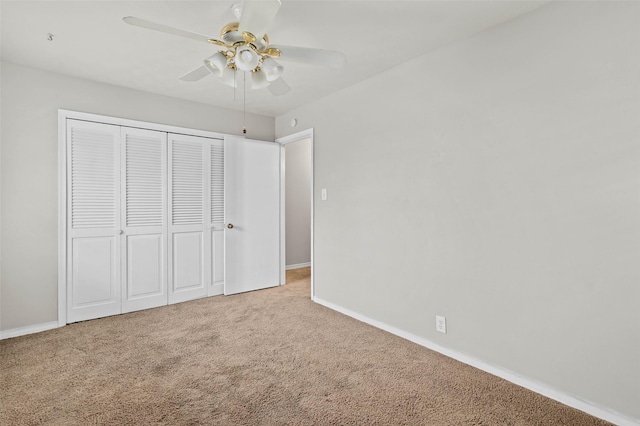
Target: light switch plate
(441,324)
(324,194)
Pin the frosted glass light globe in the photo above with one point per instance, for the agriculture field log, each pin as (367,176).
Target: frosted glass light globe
(246,59)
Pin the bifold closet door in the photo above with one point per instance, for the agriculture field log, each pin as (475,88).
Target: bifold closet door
(144,218)
(93,220)
(217,217)
(189,213)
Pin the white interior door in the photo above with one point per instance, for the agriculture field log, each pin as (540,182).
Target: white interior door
(93,222)
(189,212)
(143,217)
(252,215)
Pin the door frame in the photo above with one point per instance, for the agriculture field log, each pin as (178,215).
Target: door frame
(304,134)
(63,115)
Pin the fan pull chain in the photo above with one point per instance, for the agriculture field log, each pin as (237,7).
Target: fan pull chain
(244,103)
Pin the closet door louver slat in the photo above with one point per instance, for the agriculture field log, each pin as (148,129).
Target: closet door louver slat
(144,181)
(217,216)
(217,184)
(94,180)
(188,183)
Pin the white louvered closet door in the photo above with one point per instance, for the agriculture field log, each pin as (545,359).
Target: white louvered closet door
(189,217)
(93,221)
(144,218)
(217,217)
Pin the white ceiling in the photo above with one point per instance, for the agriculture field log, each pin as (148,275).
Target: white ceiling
(91,41)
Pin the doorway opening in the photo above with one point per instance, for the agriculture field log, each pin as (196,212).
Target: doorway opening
(297,205)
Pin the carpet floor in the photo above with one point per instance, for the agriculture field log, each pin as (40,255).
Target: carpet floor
(269,357)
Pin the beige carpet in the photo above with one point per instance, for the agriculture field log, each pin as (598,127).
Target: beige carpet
(270,357)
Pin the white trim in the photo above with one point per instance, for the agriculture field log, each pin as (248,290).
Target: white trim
(62,218)
(533,385)
(63,115)
(297,266)
(305,134)
(283,218)
(140,124)
(30,329)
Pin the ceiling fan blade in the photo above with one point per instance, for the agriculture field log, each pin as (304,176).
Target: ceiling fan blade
(131,20)
(257,16)
(307,55)
(278,87)
(197,74)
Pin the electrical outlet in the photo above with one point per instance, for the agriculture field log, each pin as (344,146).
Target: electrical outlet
(441,324)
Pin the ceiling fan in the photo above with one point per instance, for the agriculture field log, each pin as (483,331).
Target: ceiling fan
(245,46)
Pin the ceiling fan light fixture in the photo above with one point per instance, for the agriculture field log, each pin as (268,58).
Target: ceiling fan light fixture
(229,78)
(244,46)
(230,34)
(259,79)
(272,69)
(217,64)
(246,59)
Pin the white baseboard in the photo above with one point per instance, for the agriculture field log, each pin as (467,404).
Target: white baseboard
(549,392)
(297,265)
(22,331)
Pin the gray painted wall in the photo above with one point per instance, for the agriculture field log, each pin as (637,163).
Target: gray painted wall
(495,182)
(29,172)
(298,202)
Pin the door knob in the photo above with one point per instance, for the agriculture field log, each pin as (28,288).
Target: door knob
(230,226)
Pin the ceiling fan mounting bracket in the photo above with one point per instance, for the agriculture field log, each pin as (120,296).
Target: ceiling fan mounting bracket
(236,9)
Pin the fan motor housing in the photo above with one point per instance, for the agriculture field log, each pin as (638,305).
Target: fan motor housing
(230,35)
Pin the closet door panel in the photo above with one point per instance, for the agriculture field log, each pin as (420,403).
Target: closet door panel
(189,212)
(144,215)
(146,268)
(93,223)
(94,272)
(188,256)
(217,262)
(217,217)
